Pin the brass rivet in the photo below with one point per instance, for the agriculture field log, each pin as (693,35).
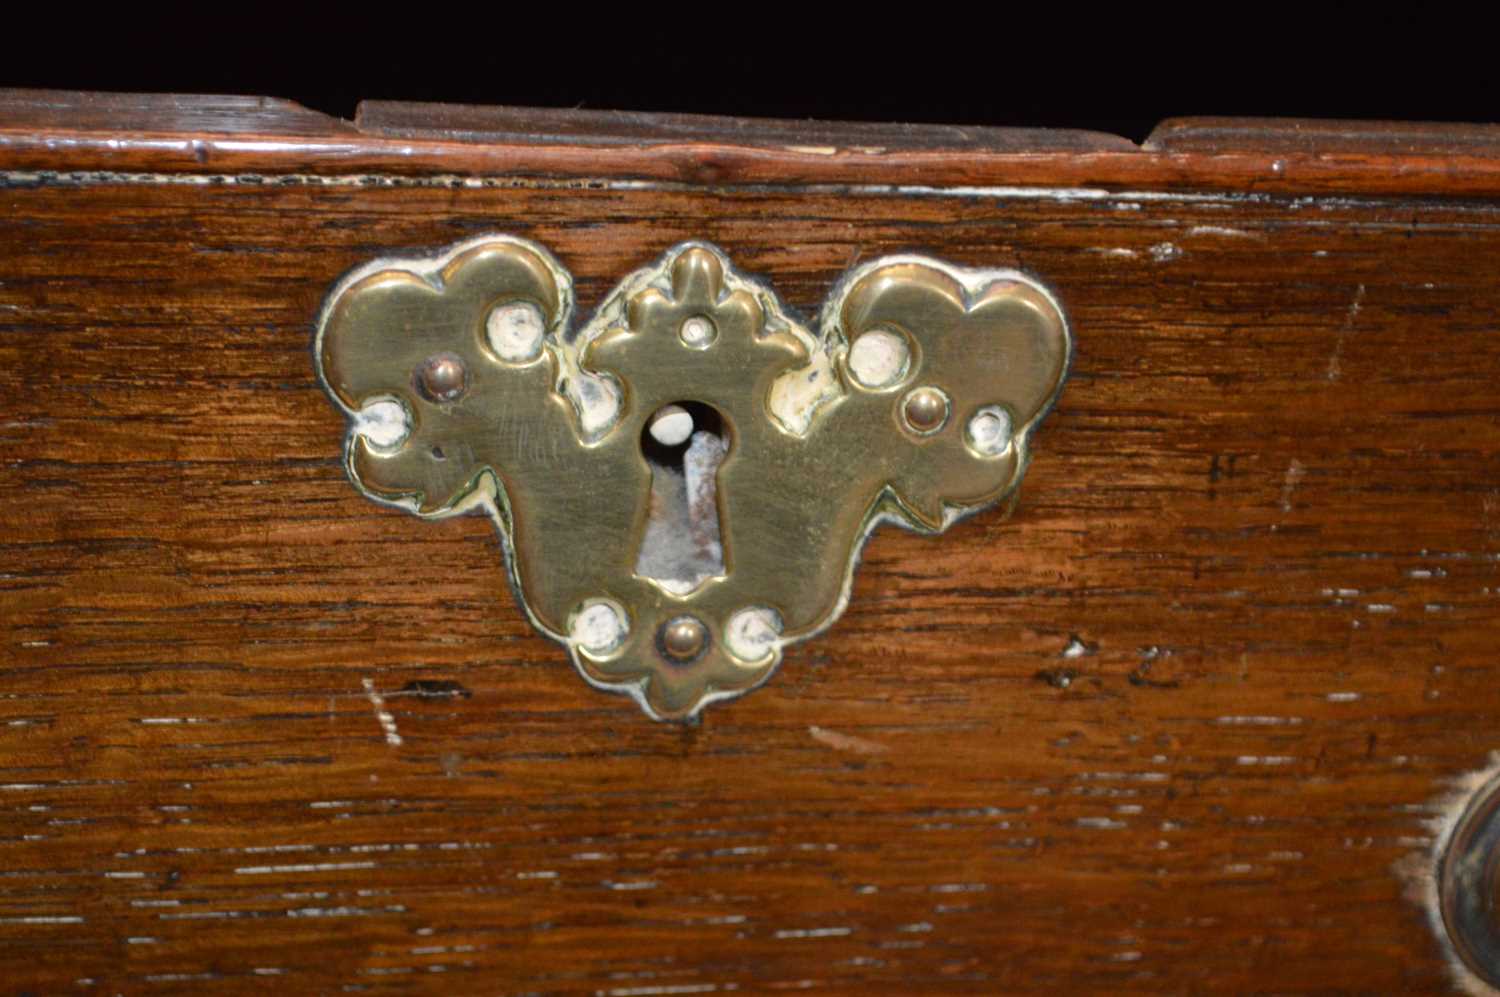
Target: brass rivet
(925,410)
(443,377)
(698,332)
(683,638)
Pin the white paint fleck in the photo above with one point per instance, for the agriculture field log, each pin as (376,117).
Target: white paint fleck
(879,358)
(384,423)
(383,716)
(339,911)
(1076,648)
(599,627)
(814,932)
(1223,231)
(515,330)
(278,849)
(204,915)
(988,433)
(596,399)
(262,870)
(753,633)
(799,393)
(1164,252)
(1380,607)
(1342,697)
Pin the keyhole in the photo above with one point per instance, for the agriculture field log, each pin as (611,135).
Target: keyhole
(684,443)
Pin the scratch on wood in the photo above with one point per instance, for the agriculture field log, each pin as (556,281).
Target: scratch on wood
(846,742)
(1334,368)
(1295,472)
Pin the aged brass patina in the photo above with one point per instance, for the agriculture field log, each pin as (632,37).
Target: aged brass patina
(675,559)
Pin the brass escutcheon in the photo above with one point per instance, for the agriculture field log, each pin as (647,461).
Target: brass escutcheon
(683,484)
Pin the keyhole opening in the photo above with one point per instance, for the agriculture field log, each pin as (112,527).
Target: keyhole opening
(684,443)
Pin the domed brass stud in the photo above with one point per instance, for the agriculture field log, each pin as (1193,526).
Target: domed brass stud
(442,377)
(698,332)
(925,410)
(683,639)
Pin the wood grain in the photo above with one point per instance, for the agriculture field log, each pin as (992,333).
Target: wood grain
(51,133)
(1168,728)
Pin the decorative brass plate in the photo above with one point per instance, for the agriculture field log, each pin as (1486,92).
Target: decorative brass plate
(683,484)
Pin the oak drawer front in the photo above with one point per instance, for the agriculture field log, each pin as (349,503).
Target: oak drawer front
(1182,720)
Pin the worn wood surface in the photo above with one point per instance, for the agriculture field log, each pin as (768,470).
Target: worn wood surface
(70,133)
(1171,727)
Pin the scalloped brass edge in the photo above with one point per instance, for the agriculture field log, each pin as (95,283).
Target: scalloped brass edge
(567,345)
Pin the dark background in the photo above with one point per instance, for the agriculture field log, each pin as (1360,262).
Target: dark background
(1106,69)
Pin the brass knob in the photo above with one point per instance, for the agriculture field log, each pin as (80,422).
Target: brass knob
(683,639)
(443,377)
